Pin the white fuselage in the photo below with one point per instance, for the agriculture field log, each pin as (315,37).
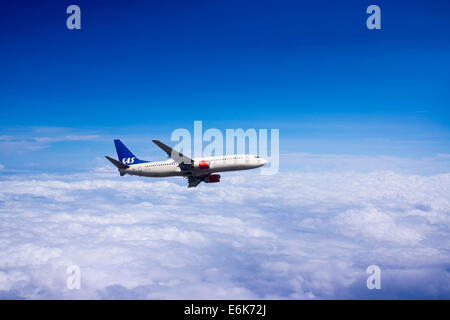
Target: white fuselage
(171,168)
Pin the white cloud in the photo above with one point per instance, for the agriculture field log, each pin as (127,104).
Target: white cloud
(67,138)
(293,235)
(376,224)
(308,162)
(21,143)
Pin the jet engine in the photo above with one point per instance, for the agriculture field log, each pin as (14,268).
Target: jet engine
(212,178)
(203,165)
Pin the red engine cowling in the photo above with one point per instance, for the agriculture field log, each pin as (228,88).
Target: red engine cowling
(212,178)
(203,165)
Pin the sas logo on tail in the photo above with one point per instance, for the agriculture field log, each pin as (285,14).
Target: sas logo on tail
(128,160)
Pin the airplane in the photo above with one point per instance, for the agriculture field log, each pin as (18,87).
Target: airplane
(194,170)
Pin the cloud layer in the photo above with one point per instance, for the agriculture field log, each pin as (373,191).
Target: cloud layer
(294,236)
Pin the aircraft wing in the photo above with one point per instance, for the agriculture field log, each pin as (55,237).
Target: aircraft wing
(174,154)
(194,181)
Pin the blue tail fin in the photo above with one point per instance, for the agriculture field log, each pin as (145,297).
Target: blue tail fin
(126,156)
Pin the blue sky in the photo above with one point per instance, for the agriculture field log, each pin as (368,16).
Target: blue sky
(141,69)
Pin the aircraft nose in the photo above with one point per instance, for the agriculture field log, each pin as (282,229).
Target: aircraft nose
(263,161)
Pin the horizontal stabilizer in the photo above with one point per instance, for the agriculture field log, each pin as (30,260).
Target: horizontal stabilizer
(118,164)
